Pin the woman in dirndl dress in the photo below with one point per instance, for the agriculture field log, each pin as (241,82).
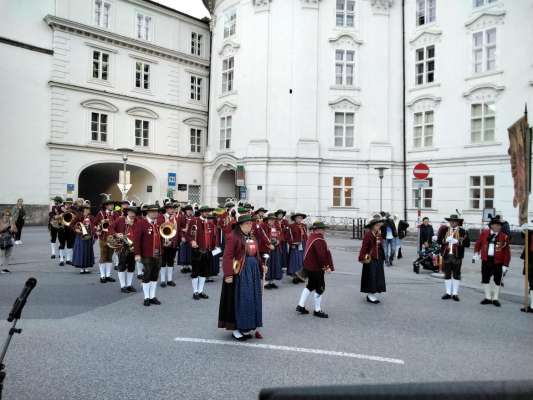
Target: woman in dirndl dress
(274,270)
(241,296)
(83,253)
(372,257)
(185,250)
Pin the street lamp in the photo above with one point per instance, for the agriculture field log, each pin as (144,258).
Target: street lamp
(381,170)
(125,152)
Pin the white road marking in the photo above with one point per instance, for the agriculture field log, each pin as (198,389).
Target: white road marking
(293,349)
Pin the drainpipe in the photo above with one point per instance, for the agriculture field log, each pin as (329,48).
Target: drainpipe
(404,145)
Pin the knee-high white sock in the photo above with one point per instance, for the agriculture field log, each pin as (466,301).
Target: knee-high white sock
(140,267)
(153,286)
(496,293)
(122,279)
(303,297)
(448,286)
(318,299)
(486,288)
(114,259)
(69,254)
(102,270)
(194,285)
(170,272)
(53,248)
(455,284)
(61,254)
(146,290)
(201,283)
(163,274)
(129,278)
(108,269)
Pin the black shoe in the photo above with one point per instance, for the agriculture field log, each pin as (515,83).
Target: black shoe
(6,271)
(209,280)
(496,303)
(140,276)
(196,296)
(246,336)
(527,310)
(115,267)
(320,314)
(155,301)
(171,283)
(69,262)
(131,289)
(302,310)
(455,297)
(103,280)
(274,286)
(372,301)
(146,302)
(296,280)
(486,301)
(124,290)
(61,263)
(109,279)
(268,286)
(53,256)
(203,295)
(446,297)
(163,284)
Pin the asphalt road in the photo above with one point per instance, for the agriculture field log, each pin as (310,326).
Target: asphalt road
(85,340)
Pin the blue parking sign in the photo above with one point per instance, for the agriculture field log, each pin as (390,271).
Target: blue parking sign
(171,179)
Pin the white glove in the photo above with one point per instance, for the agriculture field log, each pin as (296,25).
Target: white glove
(505,269)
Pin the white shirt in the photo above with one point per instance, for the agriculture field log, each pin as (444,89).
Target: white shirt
(490,251)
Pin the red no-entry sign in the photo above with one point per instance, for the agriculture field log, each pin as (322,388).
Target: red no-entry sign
(421,171)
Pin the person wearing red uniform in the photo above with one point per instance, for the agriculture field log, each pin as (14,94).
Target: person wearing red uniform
(147,249)
(372,256)
(170,246)
(53,216)
(297,238)
(203,239)
(316,262)
(493,248)
(184,255)
(269,242)
(106,253)
(66,235)
(125,225)
(283,226)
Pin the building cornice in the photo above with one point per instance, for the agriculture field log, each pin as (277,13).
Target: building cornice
(171,12)
(119,96)
(107,37)
(103,150)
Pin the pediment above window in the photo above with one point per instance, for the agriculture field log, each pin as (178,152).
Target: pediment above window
(424,103)
(309,3)
(229,48)
(345,103)
(426,37)
(484,92)
(226,108)
(261,5)
(99,105)
(345,39)
(142,112)
(195,121)
(486,19)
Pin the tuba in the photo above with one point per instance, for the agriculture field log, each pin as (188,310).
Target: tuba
(119,241)
(67,218)
(56,221)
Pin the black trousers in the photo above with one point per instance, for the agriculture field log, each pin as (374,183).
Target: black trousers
(152,266)
(169,256)
(489,270)
(54,232)
(19,224)
(316,281)
(452,267)
(66,236)
(126,261)
(201,263)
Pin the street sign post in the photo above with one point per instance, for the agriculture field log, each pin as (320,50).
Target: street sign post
(420,172)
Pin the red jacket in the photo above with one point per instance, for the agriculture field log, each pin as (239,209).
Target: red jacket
(502,253)
(371,245)
(103,214)
(284,226)
(120,226)
(262,234)
(297,233)
(147,242)
(235,250)
(203,232)
(161,219)
(317,255)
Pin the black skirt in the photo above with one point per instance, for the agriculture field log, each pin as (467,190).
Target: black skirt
(226,311)
(373,277)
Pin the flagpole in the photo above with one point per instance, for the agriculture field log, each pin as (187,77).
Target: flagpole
(528,191)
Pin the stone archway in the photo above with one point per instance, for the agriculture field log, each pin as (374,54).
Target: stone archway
(226,187)
(103,178)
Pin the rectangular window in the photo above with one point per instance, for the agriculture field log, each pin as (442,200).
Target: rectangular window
(196,140)
(426,11)
(425,65)
(194,194)
(484,50)
(142,75)
(144,27)
(100,65)
(426,195)
(102,11)
(423,129)
(481,3)
(196,44)
(99,127)
(196,88)
(342,191)
(481,192)
(227,74)
(345,15)
(483,122)
(225,133)
(142,133)
(344,67)
(344,129)
(230,23)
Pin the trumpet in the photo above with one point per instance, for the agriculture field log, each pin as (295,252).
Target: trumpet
(67,218)
(167,231)
(85,235)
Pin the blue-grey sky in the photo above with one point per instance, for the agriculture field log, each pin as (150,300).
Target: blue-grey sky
(191,7)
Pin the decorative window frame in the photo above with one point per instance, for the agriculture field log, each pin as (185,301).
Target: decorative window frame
(356,21)
(424,38)
(226,109)
(422,104)
(344,104)
(103,107)
(143,114)
(91,47)
(198,123)
(111,15)
(346,41)
(152,33)
(152,74)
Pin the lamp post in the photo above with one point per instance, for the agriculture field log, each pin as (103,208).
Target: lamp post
(381,170)
(125,153)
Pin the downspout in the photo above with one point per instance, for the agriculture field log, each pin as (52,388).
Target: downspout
(404,144)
